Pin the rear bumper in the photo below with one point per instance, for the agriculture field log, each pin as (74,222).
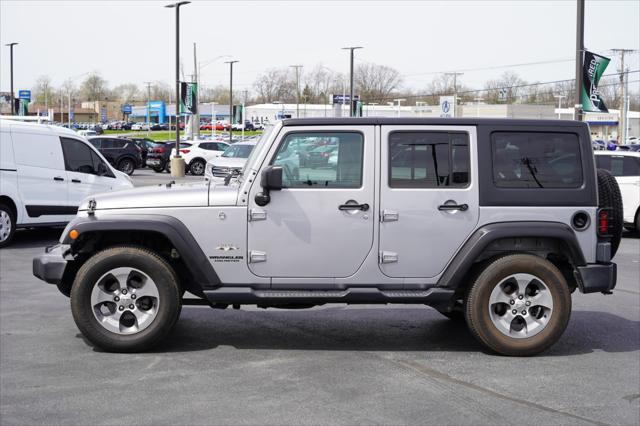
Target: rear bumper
(597,277)
(50,265)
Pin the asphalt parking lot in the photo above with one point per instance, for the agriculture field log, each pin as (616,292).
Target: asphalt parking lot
(327,365)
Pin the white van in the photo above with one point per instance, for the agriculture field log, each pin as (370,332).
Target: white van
(45,172)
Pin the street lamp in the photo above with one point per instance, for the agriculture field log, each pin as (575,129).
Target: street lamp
(177,162)
(13,103)
(297,67)
(231,98)
(351,77)
(478,100)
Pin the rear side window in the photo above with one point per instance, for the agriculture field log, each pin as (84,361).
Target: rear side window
(428,159)
(619,165)
(536,160)
(112,143)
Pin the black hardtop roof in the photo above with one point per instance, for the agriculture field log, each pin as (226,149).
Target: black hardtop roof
(467,121)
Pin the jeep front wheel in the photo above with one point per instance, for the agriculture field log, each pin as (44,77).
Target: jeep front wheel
(125,299)
(519,305)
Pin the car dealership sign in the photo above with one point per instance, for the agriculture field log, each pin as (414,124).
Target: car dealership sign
(447,106)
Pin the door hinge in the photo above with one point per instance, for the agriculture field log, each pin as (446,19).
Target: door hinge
(389,216)
(388,257)
(257,256)
(255,214)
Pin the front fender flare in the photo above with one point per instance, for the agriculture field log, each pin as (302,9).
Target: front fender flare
(173,229)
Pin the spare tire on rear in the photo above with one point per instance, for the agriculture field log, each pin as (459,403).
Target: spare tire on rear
(609,197)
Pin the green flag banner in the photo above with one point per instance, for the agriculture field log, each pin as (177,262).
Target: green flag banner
(593,67)
(188,98)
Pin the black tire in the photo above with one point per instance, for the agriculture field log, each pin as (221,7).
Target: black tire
(159,169)
(154,266)
(477,305)
(7,224)
(609,197)
(127,165)
(197,167)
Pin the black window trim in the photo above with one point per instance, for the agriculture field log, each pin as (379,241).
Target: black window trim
(553,132)
(421,188)
(286,134)
(491,195)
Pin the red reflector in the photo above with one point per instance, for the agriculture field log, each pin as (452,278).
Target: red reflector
(603,222)
(184,151)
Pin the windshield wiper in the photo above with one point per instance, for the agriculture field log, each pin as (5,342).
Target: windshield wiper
(532,169)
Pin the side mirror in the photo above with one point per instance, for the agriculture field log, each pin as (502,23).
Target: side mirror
(271,179)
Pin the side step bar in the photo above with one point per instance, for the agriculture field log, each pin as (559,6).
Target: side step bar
(249,296)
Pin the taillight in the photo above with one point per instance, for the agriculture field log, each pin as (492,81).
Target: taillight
(159,150)
(184,151)
(604,222)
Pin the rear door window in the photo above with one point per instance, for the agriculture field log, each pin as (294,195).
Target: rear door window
(428,159)
(536,160)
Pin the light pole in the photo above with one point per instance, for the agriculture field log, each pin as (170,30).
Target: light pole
(559,98)
(231,98)
(297,68)
(148,83)
(177,162)
(214,119)
(13,103)
(351,49)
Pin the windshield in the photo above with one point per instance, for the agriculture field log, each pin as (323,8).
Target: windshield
(238,151)
(268,129)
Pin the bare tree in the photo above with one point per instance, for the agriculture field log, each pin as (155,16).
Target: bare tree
(126,93)
(507,85)
(93,88)
(375,83)
(44,91)
(275,84)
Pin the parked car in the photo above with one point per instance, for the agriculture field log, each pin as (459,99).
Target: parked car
(232,160)
(122,153)
(87,133)
(625,167)
(630,147)
(145,144)
(494,222)
(140,126)
(197,155)
(248,126)
(159,157)
(45,172)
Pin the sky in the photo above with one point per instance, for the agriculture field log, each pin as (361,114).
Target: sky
(134,41)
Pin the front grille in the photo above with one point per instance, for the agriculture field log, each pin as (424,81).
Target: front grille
(223,171)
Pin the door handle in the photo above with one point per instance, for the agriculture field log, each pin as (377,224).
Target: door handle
(76,181)
(364,207)
(58,178)
(461,207)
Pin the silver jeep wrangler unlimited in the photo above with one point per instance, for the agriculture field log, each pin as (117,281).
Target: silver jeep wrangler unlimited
(495,222)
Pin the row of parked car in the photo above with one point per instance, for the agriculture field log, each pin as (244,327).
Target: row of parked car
(632,144)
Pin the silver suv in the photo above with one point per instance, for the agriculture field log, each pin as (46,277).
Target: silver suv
(495,222)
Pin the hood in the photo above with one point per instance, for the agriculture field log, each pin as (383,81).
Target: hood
(163,195)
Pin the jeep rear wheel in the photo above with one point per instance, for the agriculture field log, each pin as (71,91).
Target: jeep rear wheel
(519,305)
(125,299)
